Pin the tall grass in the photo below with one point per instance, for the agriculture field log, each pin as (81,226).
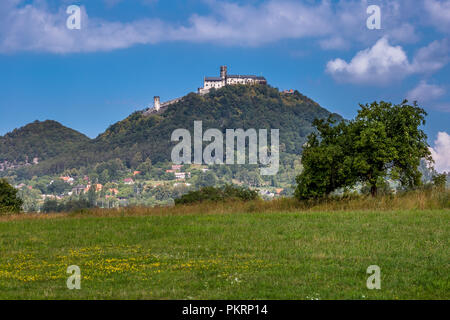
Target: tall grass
(420,200)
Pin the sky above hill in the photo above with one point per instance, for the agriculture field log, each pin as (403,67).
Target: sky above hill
(126,52)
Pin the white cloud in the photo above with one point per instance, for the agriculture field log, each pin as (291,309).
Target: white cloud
(383,63)
(234,24)
(34,27)
(112,3)
(427,95)
(439,14)
(441,152)
(432,57)
(405,33)
(332,24)
(378,64)
(425,92)
(334,43)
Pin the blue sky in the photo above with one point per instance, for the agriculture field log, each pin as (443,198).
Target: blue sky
(128,51)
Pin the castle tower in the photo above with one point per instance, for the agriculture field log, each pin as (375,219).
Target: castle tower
(223,72)
(156,103)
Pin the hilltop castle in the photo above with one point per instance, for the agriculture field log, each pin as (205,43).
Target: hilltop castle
(209,83)
(225,79)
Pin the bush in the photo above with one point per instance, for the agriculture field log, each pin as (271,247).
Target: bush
(439,181)
(228,192)
(9,201)
(51,205)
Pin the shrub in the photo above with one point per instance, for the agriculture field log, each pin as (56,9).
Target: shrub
(9,201)
(439,181)
(228,192)
(51,205)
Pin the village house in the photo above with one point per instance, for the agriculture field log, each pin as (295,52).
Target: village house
(182,175)
(78,189)
(176,167)
(113,191)
(181,184)
(50,196)
(128,181)
(267,193)
(98,187)
(68,180)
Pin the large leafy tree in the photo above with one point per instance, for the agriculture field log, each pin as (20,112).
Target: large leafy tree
(9,201)
(388,141)
(326,166)
(383,140)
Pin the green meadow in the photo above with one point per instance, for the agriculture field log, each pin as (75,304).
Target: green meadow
(245,254)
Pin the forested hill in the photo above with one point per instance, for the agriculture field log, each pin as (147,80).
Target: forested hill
(231,107)
(43,140)
(140,137)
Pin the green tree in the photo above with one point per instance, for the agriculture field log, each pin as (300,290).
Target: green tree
(161,193)
(207,179)
(326,164)
(9,201)
(92,196)
(383,140)
(57,187)
(145,167)
(50,205)
(104,177)
(137,159)
(439,180)
(388,140)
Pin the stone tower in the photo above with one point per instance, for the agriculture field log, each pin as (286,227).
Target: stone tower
(156,103)
(223,72)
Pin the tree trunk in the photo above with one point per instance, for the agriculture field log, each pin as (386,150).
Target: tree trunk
(373,190)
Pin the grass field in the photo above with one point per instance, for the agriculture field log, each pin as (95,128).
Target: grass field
(295,254)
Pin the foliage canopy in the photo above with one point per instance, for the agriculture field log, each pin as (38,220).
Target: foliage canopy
(225,193)
(383,141)
(9,201)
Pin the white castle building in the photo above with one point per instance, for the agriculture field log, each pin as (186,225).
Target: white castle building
(225,79)
(208,83)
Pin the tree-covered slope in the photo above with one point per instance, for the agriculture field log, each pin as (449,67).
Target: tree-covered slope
(231,107)
(44,140)
(140,137)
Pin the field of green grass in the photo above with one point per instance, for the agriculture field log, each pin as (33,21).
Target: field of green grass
(239,255)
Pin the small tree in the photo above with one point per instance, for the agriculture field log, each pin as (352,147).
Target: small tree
(9,201)
(92,196)
(439,180)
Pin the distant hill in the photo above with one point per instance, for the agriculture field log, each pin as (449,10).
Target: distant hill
(42,140)
(141,136)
